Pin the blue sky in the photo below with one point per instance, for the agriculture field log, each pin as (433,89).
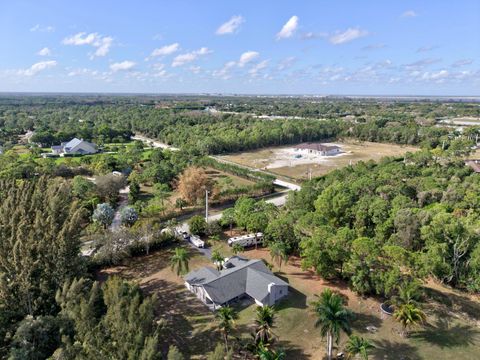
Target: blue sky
(274,47)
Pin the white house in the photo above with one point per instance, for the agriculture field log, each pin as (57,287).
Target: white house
(240,276)
(318,149)
(74,146)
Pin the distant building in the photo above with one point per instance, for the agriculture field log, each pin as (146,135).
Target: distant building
(318,149)
(474,164)
(74,147)
(240,277)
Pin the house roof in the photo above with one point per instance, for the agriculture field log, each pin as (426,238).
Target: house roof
(317,147)
(241,276)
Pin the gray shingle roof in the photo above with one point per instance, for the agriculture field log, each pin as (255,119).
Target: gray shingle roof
(246,276)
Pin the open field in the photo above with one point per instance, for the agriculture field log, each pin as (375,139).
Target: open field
(286,161)
(452,331)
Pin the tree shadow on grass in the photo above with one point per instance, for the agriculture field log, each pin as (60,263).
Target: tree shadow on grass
(361,321)
(453,301)
(446,335)
(188,322)
(394,351)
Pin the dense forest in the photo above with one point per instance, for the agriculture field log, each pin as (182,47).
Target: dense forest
(377,225)
(187,123)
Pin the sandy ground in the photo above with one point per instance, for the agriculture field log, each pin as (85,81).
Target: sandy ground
(288,162)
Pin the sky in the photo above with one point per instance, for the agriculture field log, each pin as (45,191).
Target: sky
(245,47)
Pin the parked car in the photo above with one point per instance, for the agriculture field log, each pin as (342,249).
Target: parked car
(195,240)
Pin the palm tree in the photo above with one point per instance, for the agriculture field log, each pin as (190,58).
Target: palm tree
(226,317)
(237,248)
(278,252)
(409,315)
(179,261)
(358,345)
(408,293)
(333,318)
(217,259)
(264,353)
(265,316)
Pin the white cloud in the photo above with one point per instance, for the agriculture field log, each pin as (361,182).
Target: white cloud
(409,13)
(186,58)
(288,29)
(122,66)
(195,69)
(224,72)
(246,57)
(38,28)
(462,62)
(101,43)
(165,50)
(37,67)
(341,37)
(231,25)
(438,76)
(44,52)
(82,71)
(258,67)
(286,63)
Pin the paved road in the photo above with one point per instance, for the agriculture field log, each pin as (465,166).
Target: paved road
(117,221)
(277,201)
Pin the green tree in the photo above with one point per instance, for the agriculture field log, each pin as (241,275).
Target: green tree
(228,218)
(198,225)
(226,317)
(218,259)
(409,315)
(278,252)
(180,203)
(128,216)
(264,320)
(237,248)
(358,345)
(332,318)
(179,261)
(103,214)
(174,353)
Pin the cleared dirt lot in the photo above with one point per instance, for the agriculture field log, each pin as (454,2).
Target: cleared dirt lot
(289,162)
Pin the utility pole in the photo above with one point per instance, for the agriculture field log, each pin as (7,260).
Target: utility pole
(206,205)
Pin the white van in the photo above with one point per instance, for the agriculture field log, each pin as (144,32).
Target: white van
(196,241)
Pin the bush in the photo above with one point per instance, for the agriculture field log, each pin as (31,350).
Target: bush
(198,225)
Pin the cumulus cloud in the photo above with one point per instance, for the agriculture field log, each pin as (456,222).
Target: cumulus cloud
(186,58)
(165,50)
(409,13)
(286,63)
(246,57)
(39,28)
(420,64)
(122,66)
(437,76)
(341,37)
(44,52)
(231,25)
(288,29)
(101,43)
(37,67)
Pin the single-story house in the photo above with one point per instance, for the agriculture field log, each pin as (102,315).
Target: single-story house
(318,149)
(74,146)
(239,277)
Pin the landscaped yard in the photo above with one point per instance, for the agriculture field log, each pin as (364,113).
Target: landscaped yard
(286,161)
(452,332)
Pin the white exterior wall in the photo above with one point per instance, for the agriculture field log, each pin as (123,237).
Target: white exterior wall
(277,292)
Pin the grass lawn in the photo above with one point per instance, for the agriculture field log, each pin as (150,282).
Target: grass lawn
(452,330)
(188,323)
